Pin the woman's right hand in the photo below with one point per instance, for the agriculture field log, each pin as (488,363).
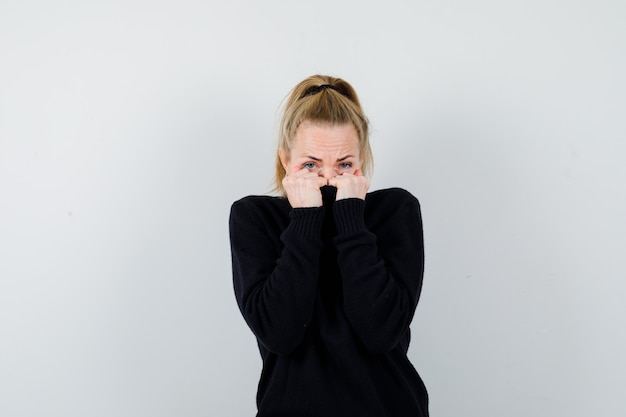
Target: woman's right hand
(303,188)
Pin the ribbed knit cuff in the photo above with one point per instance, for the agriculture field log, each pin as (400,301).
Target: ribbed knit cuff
(349,215)
(307,221)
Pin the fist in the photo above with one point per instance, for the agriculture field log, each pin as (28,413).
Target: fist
(350,185)
(303,188)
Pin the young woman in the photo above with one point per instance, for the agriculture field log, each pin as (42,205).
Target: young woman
(327,275)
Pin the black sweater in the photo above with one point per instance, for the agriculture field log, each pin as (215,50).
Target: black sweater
(329,293)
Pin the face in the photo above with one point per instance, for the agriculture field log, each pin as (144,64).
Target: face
(329,150)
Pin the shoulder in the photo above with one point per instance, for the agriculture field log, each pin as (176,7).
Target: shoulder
(260,207)
(393,212)
(391,204)
(393,197)
(258,202)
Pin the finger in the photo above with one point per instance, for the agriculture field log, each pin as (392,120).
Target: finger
(333,181)
(321,181)
(358,173)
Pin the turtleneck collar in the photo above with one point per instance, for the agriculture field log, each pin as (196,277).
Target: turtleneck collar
(329,193)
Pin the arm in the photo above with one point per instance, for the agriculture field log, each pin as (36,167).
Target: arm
(275,277)
(381,273)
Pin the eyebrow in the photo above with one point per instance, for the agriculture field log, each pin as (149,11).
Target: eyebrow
(338,160)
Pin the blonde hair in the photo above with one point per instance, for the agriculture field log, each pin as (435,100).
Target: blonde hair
(322,99)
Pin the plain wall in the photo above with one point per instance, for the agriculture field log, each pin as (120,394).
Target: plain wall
(127,129)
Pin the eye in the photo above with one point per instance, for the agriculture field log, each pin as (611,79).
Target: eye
(345,165)
(308,165)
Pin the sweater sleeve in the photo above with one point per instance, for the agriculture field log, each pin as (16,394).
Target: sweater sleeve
(382,272)
(275,284)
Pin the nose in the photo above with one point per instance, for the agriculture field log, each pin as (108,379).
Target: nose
(327,173)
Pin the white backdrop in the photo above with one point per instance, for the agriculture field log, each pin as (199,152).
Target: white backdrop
(127,128)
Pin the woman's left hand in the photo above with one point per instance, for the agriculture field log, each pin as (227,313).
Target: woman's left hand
(350,185)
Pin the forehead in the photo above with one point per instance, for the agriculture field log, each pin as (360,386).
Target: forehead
(323,137)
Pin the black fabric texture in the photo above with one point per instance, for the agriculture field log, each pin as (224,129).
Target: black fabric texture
(329,293)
